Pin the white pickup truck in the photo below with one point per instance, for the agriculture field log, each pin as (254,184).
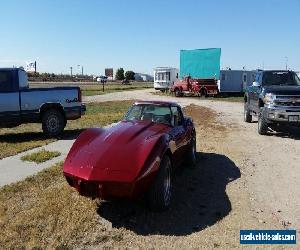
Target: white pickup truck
(50,106)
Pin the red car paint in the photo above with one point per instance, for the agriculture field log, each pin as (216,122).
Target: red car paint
(122,161)
(201,87)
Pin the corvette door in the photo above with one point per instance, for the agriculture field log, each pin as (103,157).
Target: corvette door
(178,135)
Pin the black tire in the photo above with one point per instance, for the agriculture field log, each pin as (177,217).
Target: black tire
(191,154)
(262,124)
(247,114)
(203,93)
(53,122)
(178,92)
(160,194)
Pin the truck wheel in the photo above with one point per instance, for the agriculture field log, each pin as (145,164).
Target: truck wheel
(178,93)
(53,122)
(161,192)
(191,154)
(247,114)
(262,123)
(203,93)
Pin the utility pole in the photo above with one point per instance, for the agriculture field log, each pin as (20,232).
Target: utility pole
(81,70)
(71,68)
(286,61)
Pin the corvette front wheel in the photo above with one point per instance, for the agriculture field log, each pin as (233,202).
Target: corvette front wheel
(161,192)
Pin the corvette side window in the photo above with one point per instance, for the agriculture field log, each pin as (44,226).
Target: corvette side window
(177,116)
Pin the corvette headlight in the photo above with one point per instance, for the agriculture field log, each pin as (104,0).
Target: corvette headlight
(269,98)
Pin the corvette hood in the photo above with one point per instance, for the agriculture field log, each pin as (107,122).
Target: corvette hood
(114,154)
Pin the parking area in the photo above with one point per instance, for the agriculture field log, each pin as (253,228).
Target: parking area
(242,180)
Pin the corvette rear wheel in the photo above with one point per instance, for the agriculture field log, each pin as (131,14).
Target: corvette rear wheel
(161,192)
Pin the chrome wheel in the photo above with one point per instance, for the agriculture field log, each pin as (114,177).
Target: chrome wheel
(167,185)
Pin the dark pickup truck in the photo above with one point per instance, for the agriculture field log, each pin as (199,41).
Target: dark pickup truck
(274,98)
(50,106)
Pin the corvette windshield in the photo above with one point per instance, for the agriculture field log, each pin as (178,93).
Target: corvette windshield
(280,78)
(149,112)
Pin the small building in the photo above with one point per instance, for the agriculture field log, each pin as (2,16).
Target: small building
(164,77)
(235,80)
(143,77)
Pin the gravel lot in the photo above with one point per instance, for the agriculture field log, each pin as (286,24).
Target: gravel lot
(269,165)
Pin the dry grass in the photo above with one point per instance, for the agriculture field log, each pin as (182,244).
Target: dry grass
(28,136)
(44,212)
(40,156)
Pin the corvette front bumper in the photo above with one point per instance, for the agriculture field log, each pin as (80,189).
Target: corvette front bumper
(104,190)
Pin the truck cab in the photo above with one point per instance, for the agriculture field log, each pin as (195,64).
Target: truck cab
(50,106)
(274,98)
(11,81)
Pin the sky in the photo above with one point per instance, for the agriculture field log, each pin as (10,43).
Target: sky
(139,35)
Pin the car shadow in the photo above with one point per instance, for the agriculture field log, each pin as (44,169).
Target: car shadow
(37,136)
(199,201)
(286,131)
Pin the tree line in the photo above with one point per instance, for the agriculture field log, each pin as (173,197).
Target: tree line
(128,75)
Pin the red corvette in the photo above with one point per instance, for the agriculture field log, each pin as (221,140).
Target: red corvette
(135,156)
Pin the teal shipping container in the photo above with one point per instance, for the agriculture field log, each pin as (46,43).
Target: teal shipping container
(200,63)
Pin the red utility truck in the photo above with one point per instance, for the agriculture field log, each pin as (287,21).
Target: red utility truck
(200,87)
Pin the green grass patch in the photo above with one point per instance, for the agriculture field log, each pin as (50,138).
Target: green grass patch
(110,88)
(40,156)
(28,136)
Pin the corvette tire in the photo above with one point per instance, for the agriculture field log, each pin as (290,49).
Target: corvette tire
(160,193)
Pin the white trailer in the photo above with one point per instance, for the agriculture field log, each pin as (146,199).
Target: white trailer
(164,77)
